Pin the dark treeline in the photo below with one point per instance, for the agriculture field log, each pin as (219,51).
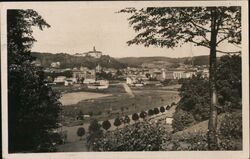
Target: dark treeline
(70,61)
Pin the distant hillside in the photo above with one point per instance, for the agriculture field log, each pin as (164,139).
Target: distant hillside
(139,61)
(70,61)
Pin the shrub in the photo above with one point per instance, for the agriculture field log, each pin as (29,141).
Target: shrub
(94,126)
(162,109)
(230,132)
(117,122)
(95,133)
(150,112)
(143,114)
(106,124)
(150,137)
(168,107)
(80,132)
(173,103)
(135,117)
(181,120)
(191,142)
(126,119)
(156,111)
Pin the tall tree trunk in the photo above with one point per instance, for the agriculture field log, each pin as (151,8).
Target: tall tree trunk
(212,125)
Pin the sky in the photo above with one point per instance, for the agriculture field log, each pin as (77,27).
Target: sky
(76,29)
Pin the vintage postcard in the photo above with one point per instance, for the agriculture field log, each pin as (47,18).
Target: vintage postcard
(125,79)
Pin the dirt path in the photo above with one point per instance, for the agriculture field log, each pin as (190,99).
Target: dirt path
(128,90)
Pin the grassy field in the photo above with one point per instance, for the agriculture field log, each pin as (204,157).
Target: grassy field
(118,103)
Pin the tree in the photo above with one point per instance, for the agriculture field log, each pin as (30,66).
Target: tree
(143,114)
(168,107)
(203,26)
(135,117)
(95,133)
(150,112)
(229,82)
(117,122)
(80,132)
(173,103)
(195,98)
(33,107)
(106,125)
(156,111)
(162,109)
(126,119)
(94,126)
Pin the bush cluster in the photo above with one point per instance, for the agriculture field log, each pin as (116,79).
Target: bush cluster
(230,132)
(182,119)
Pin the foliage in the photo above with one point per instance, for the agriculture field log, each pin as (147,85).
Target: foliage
(143,114)
(80,132)
(150,112)
(192,142)
(156,111)
(168,107)
(126,119)
(106,124)
(195,97)
(94,126)
(103,75)
(173,103)
(173,26)
(231,131)
(230,136)
(117,122)
(140,136)
(162,109)
(33,107)
(95,133)
(181,120)
(135,117)
(229,82)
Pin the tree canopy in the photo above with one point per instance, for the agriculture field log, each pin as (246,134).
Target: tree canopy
(33,107)
(173,26)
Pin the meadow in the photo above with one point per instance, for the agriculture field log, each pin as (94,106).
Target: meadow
(107,104)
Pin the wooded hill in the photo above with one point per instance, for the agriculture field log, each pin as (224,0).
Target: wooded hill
(70,61)
(138,61)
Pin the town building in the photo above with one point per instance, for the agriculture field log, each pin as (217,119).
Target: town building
(179,73)
(60,79)
(55,64)
(94,53)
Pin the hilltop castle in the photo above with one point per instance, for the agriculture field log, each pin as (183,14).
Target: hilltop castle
(94,53)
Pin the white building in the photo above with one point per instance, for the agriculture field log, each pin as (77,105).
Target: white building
(55,64)
(94,53)
(179,73)
(60,79)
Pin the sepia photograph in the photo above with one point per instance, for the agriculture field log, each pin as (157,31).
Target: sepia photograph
(126,79)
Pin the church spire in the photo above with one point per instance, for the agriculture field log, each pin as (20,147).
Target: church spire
(94,49)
